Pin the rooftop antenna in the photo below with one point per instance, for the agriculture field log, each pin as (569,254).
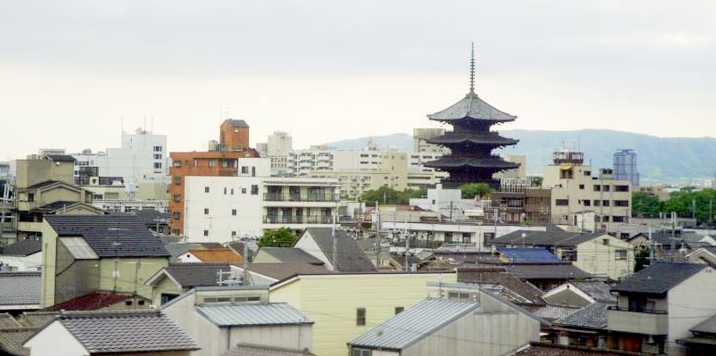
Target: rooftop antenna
(472,68)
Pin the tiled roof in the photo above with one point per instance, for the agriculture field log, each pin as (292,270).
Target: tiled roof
(472,106)
(350,258)
(237,123)
(414,323)
(44,184)
(20,288)
(290,254)
(129,331)
(598,290)
(8,322)
(593,316)
(658,278)
(110,235)
(528,255)
(551,312)
(501,277)
(22,248)
(217,255)
(91,301)
(280,271)
(547,271)
(707,326)
(263,350)
(544,238)
(37,319)
(541,349)
(190,275)
(11,340)
(250,314)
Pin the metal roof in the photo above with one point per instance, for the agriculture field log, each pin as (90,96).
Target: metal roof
(248,314)
(416,322)
(707,326)
(20,288)
(350,257)
(78,248)
(23,248)
(528,255)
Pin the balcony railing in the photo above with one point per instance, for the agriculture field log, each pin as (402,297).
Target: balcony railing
(311,219)
(329,197)
(645,321)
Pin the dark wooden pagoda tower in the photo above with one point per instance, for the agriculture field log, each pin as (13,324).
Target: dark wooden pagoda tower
(471,141)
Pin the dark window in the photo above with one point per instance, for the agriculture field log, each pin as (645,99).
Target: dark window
(587,202)
(157,148)
(225,190)
(597,203)
(127,302)
(618,219)
(561,202)
(206,189)
(232,191)
(254,189)
(30,197)
(605,188)
(177,198)
(233,212)
(206,211)
(360,317)
(622,203)
(466,237)
(620,254)
(489,236)
(243,190)
(581,186)
(157,165)
(587,173)
(597,188)
(605,202)
(399,310)
(621,188)
(166,298)
(141,302)
(253,171)
(206,232)
(244,170)
(448,236)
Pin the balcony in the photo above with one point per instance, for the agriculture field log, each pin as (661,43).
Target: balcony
(328,197)
(286,220)
(647,322)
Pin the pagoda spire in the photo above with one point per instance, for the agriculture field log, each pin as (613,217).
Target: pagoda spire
(472,68)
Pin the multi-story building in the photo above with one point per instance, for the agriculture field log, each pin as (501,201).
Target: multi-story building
(7,217)
(221,209)
(575,191)
(233,135)
(420,137)
(141,158)
(625,166)
(277,148)
(522,203)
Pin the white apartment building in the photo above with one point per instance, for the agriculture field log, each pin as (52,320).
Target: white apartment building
(221,209)
(420,135)
(576,190)
(277,148)
(141,158)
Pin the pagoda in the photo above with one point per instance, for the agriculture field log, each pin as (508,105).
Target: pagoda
(471,141)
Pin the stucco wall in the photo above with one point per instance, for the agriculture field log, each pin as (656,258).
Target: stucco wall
(689,303)
(597,258)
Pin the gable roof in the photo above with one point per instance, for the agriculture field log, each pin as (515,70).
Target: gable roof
(473,107)
(251,314)
(177,249)
(547,271)
(500,276)
(23,248)
(190,275)
(290,255)
(528,255)
(707,326)
(281,271)
(110,235)
(350,258)
(414,323)
(91,301)
(127,331)
(263,350)
(658,278)
(20,289)
(12,340)
(217,255)
(593,316)
(545,238)
(598,290)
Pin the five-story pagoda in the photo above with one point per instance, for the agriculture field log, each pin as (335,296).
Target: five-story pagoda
(471,142)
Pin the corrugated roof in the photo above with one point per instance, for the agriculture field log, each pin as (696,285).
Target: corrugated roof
(528,255)
(20,288)
(246,314)
(78,248)
(414,323)
(658,278)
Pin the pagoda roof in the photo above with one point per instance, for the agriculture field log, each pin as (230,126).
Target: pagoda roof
(456,162)
(475,138)
(472,107)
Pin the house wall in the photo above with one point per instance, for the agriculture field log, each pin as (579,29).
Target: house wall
(33,171)
(210,338)
(331,302)
(690,303)
(297,337)
(133,273)
(59,193)
(595,257)
(49,264)
(55,340)
(74,277)
(166,285)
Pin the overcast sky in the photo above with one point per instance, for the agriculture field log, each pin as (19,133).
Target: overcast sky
(327,70)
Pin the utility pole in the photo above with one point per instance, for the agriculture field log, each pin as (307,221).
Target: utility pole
(407,245)
(651,248)
(377,235)
(247,275)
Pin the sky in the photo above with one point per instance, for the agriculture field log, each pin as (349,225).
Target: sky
(73,73)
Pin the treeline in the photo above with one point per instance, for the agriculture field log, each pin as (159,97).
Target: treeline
(684,203)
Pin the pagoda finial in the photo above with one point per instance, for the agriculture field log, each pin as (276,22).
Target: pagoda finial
(472,68)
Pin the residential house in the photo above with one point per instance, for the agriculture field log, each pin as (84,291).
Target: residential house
(580,294)
(702,341)
(599,254)
(103,300)
(86,253)
(269,254)
(111,333)
(211,255)
(545,276)
(178,278)
(659,305)
(345,305)
(548,349)
(24,255)
(336,249)
(19,291)
(514,289)
(586,327)
(243,349)
(449,326)
(219,318)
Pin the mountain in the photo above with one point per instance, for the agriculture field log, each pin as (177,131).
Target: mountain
(664,159)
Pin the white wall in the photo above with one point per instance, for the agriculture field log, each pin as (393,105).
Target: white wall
(55,340)
(689,303)
(601,260)
(23,263)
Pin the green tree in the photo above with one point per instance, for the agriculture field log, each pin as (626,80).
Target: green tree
(283,237)
(645,205)
(472,190)
(386,195)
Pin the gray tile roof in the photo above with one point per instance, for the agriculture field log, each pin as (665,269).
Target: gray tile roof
(237,123)
(22,248)
(280,271)
(20,288)
(7,321)
(110,235)
(128,331)
(501,277)
(598,290)
(544,238)
(290,254)
(593,316)
(414,323)
(350,258)
(190,275)
(658,278)
(707,326)
(264,350)
(551,312)
(11,340)
(547,271)
(471,106)
(250,314)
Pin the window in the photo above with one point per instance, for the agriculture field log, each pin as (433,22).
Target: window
(620,255)
(206,211)
(605,242)
(622,203)
(206,232)
(232,191)
(361,352)
(254,189)
(225,163)
(489,236)
(225,190)
(206,189)
(233,234)
(177,198)
(621,188)
(233,212)
(448,236)
(141,302)
(243,190)
(157,156)
(466,237)
(597,203)
(212,163)
(561,202)
(30,197)
(253,171)
(587,173)
(587,202)
(360,317)
(399,310)
(618,219)
(605,188)
(195,162)
(157,165)
(581,186)
(177,164)
(605,202)
(157,148)
(597,188)
(176,215)
(244,170)
(127,302)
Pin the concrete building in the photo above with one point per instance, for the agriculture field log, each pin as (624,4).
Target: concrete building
(420,137)
(234,135)
(221,209)
(278,146)
(142,157)
(576,190)
(626,168)
(659,305)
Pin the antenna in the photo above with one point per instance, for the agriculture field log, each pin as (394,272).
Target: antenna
(472,68)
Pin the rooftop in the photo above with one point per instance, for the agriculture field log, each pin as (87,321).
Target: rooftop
(22,248)
(190,275)
(350,257)
(544,238)
(547,271)
(472,107)
(252,314)
(19,289)
(658,278)
(280,271)
(290,255)
(91,301)
(528,255)
(593,316)
(217,255)
(707,326)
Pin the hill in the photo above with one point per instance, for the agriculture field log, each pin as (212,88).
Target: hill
(660,158)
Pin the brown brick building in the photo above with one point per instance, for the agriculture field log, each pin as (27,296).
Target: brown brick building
(234,135)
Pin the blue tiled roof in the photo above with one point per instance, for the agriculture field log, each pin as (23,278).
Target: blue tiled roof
(528,255)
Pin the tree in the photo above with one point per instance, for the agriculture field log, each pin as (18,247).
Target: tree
(645,205)
(386,195)
(472,190)
(283,237)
